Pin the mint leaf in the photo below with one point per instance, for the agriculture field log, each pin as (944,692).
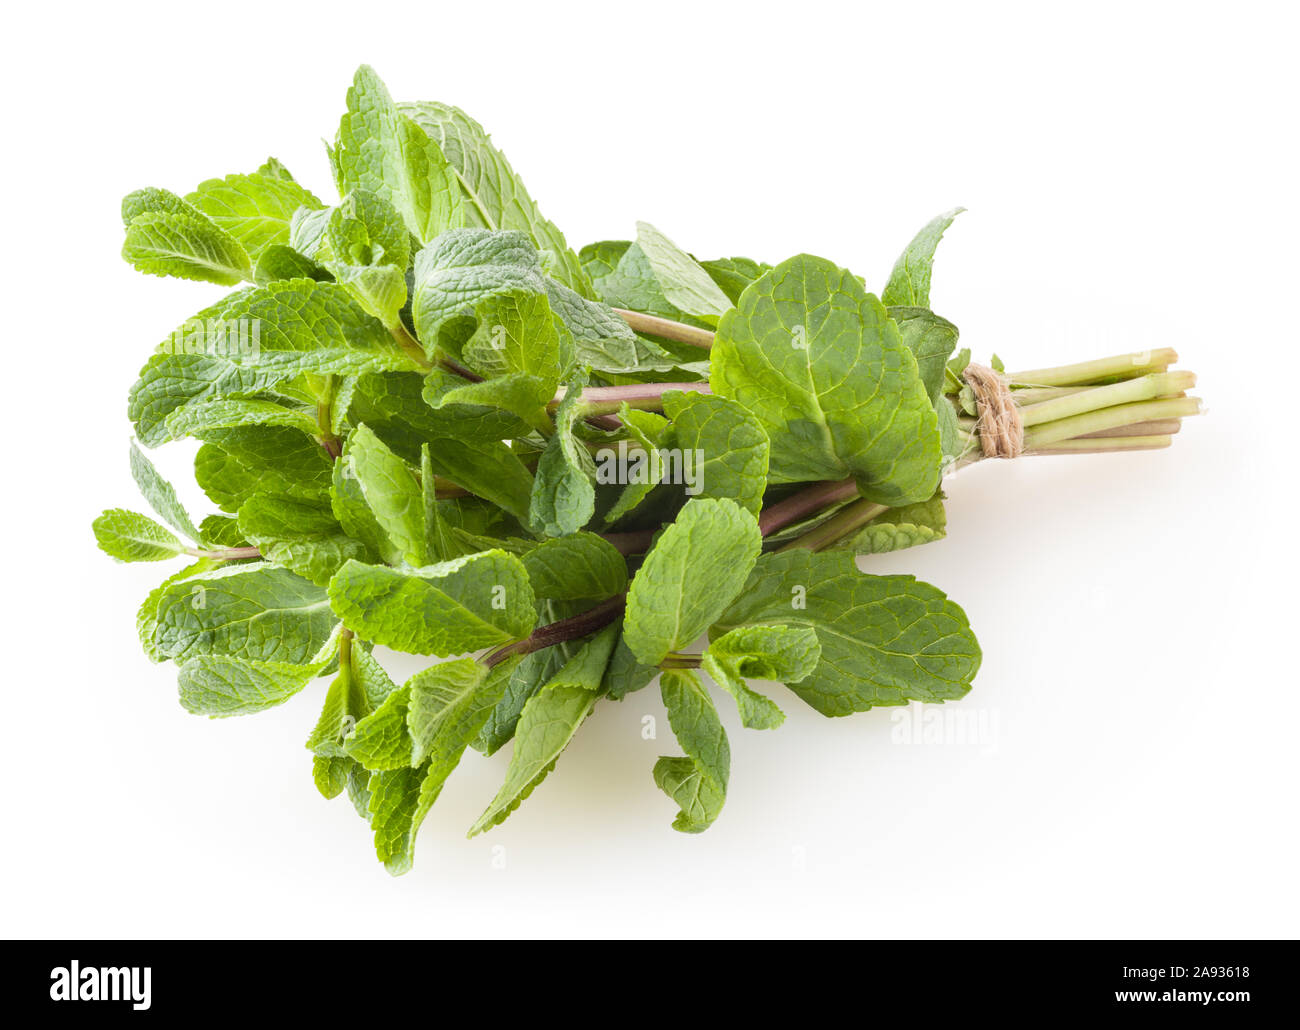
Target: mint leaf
(727,444)
(461,269)
(396,812)
(909,282)
(549,721)
(381,740)
(219,685)
(885,640)
(381,150)
(563,495)
(129,536)
(579,567)
(392,493)
(444,609)
(254,339)
(818,362)
(160,494)
(187,246)
(493,196)
(257,612)
(345,705)
(733,275)
(697,782)
(931,340)
(648,432)
(685,284)
(253,209)
(236,464)
(366,246)
(303,537)
(897,528)
(786,654)
(196,419)
(692,573)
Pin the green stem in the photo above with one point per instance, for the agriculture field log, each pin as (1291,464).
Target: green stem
(838,526)
(225,553)
(606,400)
(665,328)
(1105,445)
(1121,366)
(411,346)
(1038,437)
(1144,388)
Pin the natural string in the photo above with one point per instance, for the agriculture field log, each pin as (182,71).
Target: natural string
(998,426)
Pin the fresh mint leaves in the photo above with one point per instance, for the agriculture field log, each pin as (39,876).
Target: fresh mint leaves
(426,423)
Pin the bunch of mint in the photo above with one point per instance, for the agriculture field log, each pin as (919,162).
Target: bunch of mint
(430,425)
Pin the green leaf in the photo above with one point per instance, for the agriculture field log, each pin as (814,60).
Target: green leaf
(152,200)
(257,612)
(128,536)
(444,609)
(330,774)
(549,720)
(230,413)
(448,708)
(897,528)
(254,339)
(381,150)
(487,469)
(909,282)
(236,464)
(160,494)
(698,564)
(931,340)
(366,246)
(304,537)
(784,654)
(685,284)
(253,209)
(146,616)
(221,685)
(461,269)
(396,813)
(820,364)
(279,262)
(697,782)
(885,640)
(649,432)
(381,740)
(728,446)
(346,704)
(187,246)
(733,275)
(563,495)
(524,677)
(392,493)
(578,567)
(625,675)
(494,197)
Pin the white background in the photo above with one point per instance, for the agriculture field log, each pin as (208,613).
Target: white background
(1130,172)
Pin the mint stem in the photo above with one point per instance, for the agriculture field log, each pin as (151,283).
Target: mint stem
(558,632)
(1144,388)
(225,553)
(1121,366)
(665,328)
(838,526)
(606,400)
(1038,437)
